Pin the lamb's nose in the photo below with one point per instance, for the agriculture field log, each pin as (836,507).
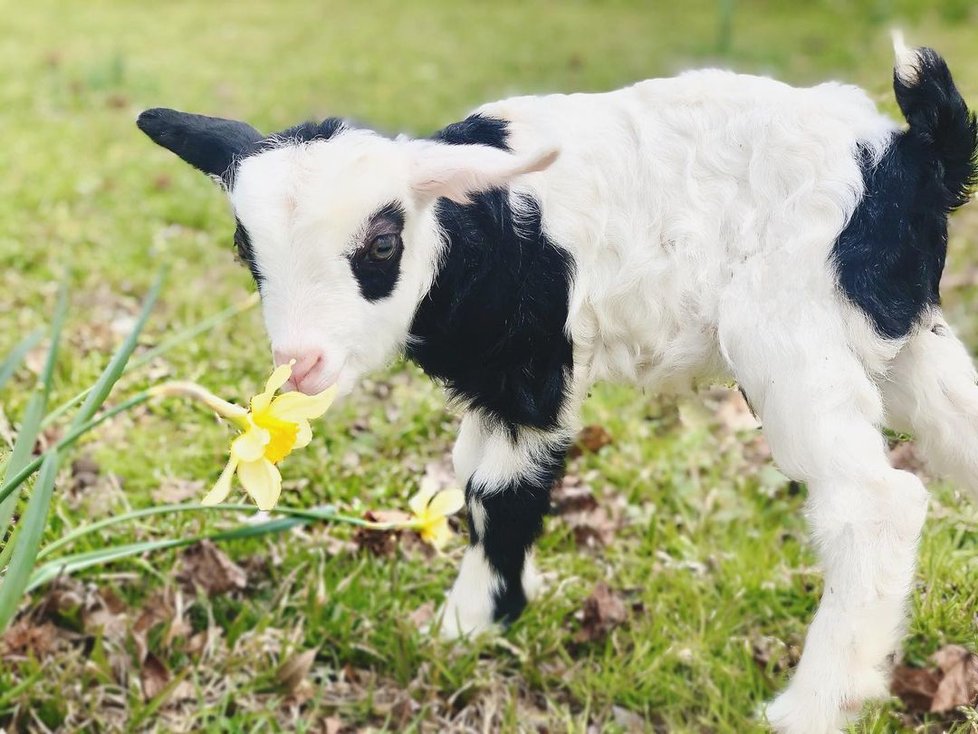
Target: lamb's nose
(305,371)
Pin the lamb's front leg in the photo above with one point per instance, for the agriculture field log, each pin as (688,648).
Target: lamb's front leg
(508,473)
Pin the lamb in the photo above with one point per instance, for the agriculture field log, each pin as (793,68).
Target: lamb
(675,232)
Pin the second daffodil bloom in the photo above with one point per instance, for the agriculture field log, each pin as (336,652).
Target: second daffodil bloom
(272,428)
(431,509)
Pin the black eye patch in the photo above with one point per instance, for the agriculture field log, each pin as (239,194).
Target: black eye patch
(244,252)
(376,263)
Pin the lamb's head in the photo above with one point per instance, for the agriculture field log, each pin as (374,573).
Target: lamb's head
(339,228)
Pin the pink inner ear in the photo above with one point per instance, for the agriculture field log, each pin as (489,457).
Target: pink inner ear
(456,171)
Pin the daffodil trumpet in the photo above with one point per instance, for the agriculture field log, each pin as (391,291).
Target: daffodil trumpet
(272,427)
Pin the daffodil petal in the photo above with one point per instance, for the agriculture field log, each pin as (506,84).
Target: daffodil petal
(304,436)
(447,502)
(294,406)
(261,479)
(222,487)
(437,533)
(250,445)
(280,375)
(419,503)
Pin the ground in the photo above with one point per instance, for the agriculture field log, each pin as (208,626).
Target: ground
(700,541)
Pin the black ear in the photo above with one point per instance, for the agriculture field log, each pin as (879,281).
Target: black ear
(209,144)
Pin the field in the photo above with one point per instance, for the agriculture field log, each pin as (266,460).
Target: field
(701,541)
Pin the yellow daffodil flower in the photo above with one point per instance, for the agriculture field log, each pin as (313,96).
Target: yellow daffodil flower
(274,426)
(431,509)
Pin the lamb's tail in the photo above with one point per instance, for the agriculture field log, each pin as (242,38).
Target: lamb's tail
(939,119)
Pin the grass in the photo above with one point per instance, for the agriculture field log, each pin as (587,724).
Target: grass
(712,552)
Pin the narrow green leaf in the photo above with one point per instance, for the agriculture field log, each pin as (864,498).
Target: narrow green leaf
(28,540)
(30,424)
(78,561)
(327,512)
(113,370)
(17,479)
(174,341)
(16,356)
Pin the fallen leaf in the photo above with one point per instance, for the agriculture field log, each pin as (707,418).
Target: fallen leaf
(732,410)
(154,676)
(571,494)
(590,439)
(206,567)
(592,527)
(173,490)
(603,611)
(25,638)
(332,725)
(953,683)
(423,615)
(959,686)
(903,455)
(380,543)
(293,671)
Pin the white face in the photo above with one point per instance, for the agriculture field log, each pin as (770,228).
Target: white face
(343,238)
(344,249)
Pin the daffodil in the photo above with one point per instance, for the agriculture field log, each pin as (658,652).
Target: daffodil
(272,427)
(430,509)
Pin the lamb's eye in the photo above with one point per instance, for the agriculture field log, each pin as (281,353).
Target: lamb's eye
(383,247)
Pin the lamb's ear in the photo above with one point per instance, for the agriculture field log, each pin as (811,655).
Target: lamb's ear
(209,144)
(457,171)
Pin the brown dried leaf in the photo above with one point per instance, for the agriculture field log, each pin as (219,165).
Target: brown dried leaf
(959,686)
(603,611)
(423,615)
(154,676)
(26,638)
(293,671)
(332,725)
(904,456)
(173,490)
(953,683)
(592,528)
(591,439)
(206,567)
(571,494)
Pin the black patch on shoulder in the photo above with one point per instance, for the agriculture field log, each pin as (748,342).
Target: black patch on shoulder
(377,278)
(307,132)
(476,130)
(514,520)
(244,251)
(492,325)
(890,256)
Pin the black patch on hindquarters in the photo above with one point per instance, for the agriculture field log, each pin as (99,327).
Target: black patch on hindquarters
(492,325)
(476,130)
(378,278)
(890,256)
(514,520)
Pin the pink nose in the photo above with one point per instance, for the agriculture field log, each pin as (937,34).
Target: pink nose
(306,371)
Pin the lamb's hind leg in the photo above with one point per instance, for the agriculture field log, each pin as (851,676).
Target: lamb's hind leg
(821,416)
(931,391)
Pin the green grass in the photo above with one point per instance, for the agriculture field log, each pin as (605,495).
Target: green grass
(713,547)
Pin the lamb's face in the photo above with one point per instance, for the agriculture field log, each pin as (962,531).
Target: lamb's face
(338,227)
(342,250)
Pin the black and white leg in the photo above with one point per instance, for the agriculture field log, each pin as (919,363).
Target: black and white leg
(508,473)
